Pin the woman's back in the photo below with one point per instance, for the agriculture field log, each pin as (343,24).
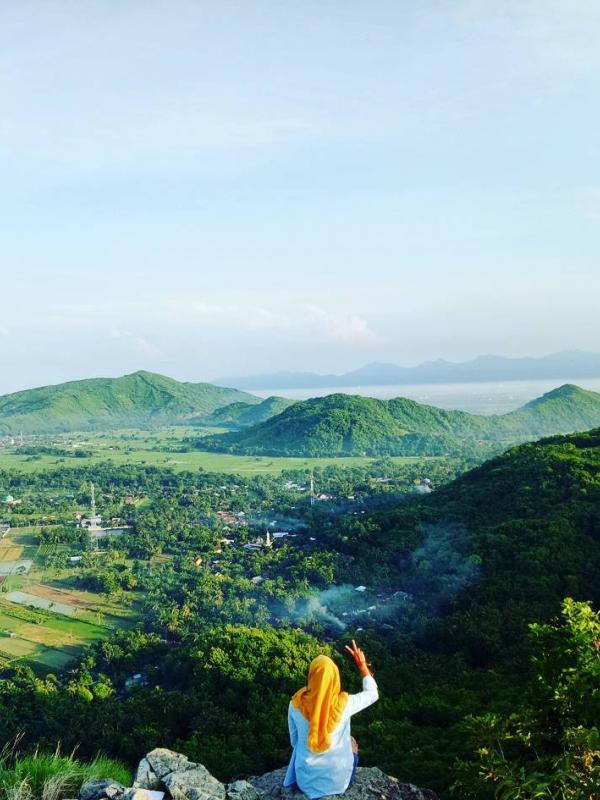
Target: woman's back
(322,761)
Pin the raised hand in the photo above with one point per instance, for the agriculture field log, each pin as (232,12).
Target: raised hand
(359,658)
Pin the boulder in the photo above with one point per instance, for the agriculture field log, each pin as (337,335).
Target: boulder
(101,789)
(195,783)
(146,778)
(370,783)
(163,761)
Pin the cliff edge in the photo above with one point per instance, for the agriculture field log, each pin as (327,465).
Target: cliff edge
(165,774)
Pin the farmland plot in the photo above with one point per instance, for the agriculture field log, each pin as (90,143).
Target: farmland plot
(27,599)
(21,567)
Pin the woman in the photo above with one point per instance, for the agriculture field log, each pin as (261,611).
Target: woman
(324,754)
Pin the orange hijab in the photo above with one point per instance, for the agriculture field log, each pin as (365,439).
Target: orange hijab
(321,702)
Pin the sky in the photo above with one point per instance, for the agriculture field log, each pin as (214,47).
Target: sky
(222,187)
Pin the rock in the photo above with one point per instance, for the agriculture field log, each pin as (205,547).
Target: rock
(271,784)
(242,790)
(370,783)
(101,789)
(185,780)
(146,777)
(194,784)
(163,761)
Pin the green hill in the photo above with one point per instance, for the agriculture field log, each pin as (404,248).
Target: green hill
(351,425)
(563,410)
(243,415)
(531,517)
(139,399)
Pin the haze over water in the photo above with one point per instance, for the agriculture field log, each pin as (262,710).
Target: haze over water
(497,397)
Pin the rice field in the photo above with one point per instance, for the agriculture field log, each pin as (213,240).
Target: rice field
(33,601)
(10,552)
(44,619)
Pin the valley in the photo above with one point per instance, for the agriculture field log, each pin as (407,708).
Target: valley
(151,579)
(167,448)
(437,568)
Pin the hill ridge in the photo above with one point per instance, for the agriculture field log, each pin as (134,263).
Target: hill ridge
(342,424)
(136,399)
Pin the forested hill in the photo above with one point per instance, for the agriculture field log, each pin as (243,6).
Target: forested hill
(530,519)
(141,398)
(242,415)
(351,425)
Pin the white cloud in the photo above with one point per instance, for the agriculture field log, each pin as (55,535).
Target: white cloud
(296,320)
(344,328)
(137,345)
(4,332)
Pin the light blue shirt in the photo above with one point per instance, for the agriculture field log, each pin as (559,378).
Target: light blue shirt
(320,774)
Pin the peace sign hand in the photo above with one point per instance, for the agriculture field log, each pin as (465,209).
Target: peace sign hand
(359,658)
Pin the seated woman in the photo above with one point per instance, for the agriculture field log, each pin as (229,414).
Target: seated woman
(324,754)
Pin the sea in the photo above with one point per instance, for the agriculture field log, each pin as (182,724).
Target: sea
(497,397)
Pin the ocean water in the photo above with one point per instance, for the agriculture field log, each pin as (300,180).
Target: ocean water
(496,397)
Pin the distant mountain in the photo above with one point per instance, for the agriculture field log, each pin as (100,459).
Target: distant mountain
(242,415)
(569,364)
(339,424)
(139,399)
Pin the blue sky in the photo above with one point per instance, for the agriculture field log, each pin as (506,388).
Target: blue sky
(209,188)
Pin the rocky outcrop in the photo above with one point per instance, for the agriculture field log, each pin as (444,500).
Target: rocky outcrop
(370,783)
(163,773)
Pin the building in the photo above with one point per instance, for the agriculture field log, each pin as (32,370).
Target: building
(93,524)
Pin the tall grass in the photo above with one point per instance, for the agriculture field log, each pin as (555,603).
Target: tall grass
(52,776)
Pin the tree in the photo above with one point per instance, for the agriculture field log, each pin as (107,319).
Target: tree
(550,746)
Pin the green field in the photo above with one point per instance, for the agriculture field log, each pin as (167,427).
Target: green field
(47,639)
(149,449)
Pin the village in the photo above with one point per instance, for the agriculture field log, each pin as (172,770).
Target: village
(78,556)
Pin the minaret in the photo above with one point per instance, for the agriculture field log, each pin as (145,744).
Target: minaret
(268,541)
(312,487)
(93,492)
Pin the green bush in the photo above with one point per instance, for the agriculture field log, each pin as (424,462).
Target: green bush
(550,745)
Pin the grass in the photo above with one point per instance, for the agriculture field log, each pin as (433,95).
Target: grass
(149,449)
(180,462)
(52,776)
